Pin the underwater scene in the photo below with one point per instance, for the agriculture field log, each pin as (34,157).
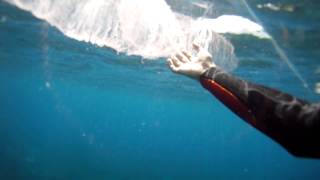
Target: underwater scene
(86,91)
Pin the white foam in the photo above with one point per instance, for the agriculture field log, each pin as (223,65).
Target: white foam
(141,27)
(203,5)
(235,25)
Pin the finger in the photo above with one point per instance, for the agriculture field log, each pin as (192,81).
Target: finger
(169,61)
(175,61)
(196,47)
(188,55)
(171,65)
(182,57)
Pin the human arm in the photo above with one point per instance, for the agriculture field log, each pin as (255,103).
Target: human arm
(291,122)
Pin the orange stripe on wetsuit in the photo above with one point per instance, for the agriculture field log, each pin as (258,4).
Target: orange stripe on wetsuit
(229,99)
(292,122)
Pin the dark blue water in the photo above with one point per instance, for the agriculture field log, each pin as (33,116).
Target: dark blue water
(71,110)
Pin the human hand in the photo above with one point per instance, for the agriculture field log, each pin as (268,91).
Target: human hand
(192,66)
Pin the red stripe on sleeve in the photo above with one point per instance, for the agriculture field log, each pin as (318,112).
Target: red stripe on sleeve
(229,99)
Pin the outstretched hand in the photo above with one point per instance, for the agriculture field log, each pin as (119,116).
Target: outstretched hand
(192,66)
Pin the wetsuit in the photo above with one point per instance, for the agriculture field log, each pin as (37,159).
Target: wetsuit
(293,123)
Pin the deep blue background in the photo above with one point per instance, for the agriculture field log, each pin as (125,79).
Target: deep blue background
(71,110)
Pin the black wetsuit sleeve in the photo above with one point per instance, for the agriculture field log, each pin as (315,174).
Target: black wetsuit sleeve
(293,123)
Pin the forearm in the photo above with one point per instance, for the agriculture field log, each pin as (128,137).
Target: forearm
(292,122)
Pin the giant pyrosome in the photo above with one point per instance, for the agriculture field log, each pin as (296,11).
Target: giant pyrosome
(150,29)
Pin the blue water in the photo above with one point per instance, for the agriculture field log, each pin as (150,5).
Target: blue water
(72,110)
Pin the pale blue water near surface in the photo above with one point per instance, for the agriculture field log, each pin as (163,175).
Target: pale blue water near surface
(72,110)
